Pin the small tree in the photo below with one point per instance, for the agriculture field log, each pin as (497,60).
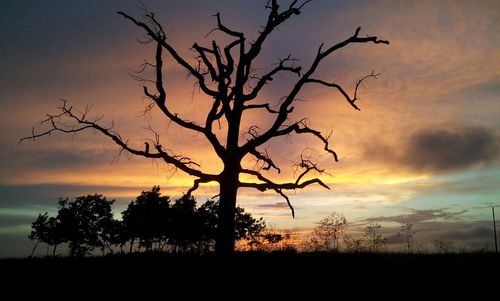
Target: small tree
(354,244)
(83,222)
(374,240)
(326,236)
(147,219)
(47,230)
(408,234)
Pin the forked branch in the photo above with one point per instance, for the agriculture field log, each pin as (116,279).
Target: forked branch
(267,184)
(350,100)
(160,38)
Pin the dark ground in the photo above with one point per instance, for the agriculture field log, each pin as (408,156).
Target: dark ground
(250,273)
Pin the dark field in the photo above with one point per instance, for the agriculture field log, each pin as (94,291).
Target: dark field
(476,272)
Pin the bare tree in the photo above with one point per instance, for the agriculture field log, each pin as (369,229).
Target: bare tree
(408,234)
(374,240)
(225,74)
(326,236)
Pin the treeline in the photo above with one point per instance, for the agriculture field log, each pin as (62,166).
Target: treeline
(151,222)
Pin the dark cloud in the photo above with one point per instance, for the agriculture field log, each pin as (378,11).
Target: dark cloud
(418,216)
(66,158)
(443,150)
(439,150)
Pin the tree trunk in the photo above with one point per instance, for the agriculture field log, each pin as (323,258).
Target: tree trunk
(131,245)
(34,248)
(224,243)
(54,250)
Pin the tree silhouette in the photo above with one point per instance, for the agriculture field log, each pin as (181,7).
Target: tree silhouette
(408,234)
(83,222)
(186,224)
(115,234)
(374,240)
(226,75)
(147,219)
(153,219)
(46,230)
(354,244)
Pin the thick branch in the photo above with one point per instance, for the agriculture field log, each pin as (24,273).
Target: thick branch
(202,52)
(230,59)
(267,184)
(226,30)
(260,106)
(82,123)
(283,186)
(196,185)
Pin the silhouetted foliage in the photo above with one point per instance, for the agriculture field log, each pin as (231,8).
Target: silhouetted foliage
(226,73)
(151,220)
(269,240)
(115,234)
(147,219)
(246,226)
(47,230)
(207,212)
(83,223)
(186,224)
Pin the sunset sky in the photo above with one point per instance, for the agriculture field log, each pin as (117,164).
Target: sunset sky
(424,149)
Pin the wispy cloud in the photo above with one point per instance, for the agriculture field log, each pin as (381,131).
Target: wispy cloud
(274,206)
(418,216)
